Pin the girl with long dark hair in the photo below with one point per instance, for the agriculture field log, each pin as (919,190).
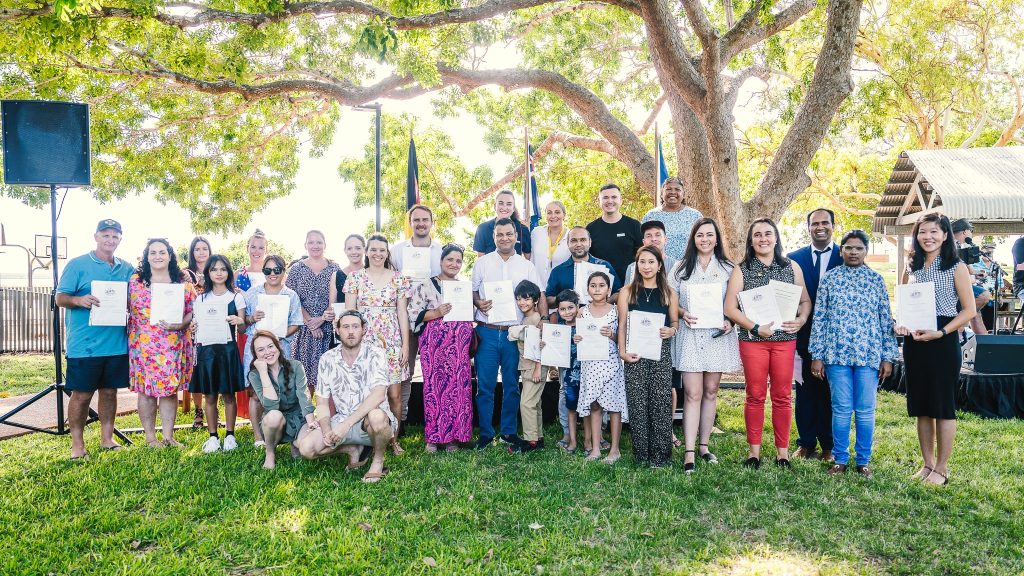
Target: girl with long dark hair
(198,254)
(218,370)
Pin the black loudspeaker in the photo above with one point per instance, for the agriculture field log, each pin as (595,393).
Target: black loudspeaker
(45,143)
(999,354)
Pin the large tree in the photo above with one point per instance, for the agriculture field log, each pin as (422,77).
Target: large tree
(208,101)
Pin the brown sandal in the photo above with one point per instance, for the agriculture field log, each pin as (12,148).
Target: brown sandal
(374,477)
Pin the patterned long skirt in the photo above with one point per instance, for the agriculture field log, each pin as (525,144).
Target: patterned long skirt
(649,396)
(447,384)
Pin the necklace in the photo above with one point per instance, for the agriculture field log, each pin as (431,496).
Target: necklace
(648,292)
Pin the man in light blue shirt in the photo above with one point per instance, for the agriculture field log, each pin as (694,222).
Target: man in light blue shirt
(97,356)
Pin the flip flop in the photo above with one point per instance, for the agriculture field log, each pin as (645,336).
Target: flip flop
(605,445)
(79,459)
(113,448)
(374,477)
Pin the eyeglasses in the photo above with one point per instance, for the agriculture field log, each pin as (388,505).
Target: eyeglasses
(273,271)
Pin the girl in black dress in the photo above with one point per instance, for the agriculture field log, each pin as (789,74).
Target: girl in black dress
(932,358)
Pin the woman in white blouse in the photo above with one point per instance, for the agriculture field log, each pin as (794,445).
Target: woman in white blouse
(549,241)
(702,354)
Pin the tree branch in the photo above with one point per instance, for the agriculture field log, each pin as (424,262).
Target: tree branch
(670,56)
(830,85)
(749,31)
(700,23)
(653,115)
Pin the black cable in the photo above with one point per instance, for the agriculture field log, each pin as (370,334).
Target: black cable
(62,199)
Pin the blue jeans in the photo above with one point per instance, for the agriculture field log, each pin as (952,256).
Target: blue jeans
(493,352)
(854,389)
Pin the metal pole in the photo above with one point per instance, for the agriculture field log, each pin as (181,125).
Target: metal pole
(377,164)
(57,352)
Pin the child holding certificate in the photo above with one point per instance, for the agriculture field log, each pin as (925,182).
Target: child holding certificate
(567,303)
(218,372)
(531,383)
(602,384)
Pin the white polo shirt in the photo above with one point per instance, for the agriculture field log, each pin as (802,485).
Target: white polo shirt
(492,268)
(435,255)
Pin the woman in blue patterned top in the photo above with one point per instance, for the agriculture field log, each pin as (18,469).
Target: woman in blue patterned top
(853,344)
(931,358)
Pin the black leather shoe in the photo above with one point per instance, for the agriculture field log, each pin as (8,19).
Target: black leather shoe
(782,463)
(752,462)
(483,443)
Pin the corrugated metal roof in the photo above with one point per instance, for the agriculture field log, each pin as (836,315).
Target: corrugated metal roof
(980,184)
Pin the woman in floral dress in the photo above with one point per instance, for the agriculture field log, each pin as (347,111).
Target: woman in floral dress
(381,293)
(310,278)
(159,356)
(444,357)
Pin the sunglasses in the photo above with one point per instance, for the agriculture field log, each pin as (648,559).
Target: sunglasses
(273,271)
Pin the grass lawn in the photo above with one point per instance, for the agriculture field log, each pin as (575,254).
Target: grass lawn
(144,511)
(24,373)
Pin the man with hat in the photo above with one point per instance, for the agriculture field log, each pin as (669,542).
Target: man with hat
(97,355)
(654,233)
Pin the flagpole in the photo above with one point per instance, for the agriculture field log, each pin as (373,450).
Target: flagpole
(527,173)
(657,167)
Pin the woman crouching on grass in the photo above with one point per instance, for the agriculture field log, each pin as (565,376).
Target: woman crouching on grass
(280,385)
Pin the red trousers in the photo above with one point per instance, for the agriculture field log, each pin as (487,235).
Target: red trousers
(764,361)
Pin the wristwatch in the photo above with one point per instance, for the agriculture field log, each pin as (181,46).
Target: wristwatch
(943,330)
(756,329)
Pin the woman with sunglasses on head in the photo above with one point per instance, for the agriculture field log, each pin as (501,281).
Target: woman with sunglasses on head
(198,254)
(766,350)
(158,360)
(355,252)
(853,345)
(444,359)
(310,278)
(381,293)
(702,354)
(218,370)
(273,270)
(932,358)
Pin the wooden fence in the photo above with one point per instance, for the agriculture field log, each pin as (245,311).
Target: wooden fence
(25,321)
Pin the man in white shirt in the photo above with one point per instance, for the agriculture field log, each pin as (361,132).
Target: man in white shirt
(421,221)
(354,377)
(495,349)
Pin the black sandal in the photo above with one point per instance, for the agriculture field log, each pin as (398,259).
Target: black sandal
(708,456)
(688,467)
(752,462)
(197,422)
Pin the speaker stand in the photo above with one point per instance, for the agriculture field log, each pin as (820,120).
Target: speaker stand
(58,384)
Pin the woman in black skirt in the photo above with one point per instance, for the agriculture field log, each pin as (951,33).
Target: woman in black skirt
(932,357)
(218,370)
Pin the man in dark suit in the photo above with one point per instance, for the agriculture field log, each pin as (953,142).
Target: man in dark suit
(813,398)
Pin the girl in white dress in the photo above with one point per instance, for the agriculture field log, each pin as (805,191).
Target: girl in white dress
(602,382)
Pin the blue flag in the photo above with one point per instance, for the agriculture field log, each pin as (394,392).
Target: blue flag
(662,168)
(534,202)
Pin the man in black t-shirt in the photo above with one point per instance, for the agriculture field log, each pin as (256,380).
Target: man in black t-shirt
(614,236)
(1018,267)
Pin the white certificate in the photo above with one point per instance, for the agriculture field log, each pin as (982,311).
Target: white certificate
(592,346)
(705,303)
(915,306)
(167,303)
(113,307)
(275,313)
(531,343)
(503,301)
(339,309)
(787,297)
(557,339)
(644,335)
(581,274)
(211,322)
(458,293)
(256,279)
(760,306)
(416,262)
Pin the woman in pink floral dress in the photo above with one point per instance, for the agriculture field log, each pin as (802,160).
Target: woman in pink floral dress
(382,295)
(159,356)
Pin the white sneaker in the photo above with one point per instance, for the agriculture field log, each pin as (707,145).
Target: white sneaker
(259,444)
(229,443)
(212,445)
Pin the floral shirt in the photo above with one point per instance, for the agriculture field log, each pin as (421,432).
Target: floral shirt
(350,385)
(852,319)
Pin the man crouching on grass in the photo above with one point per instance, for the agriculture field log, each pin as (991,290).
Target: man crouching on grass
(354,376)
